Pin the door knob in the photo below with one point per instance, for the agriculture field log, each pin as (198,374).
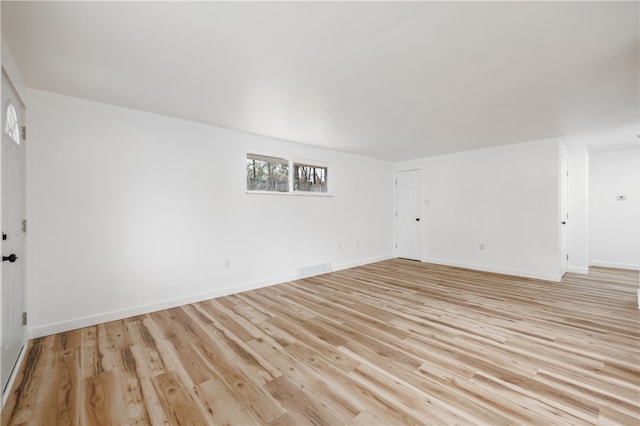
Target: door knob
(11,258)
(563,222)
(417,219)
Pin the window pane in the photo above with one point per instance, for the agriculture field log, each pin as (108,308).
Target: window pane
(309,178)
(267,173)
(11,123)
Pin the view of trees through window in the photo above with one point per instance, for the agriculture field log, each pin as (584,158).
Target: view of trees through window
(271,174)
(309,178)
(267,173)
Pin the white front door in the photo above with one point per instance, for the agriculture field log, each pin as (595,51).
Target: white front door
(12,212)
(408,214)
(564,215)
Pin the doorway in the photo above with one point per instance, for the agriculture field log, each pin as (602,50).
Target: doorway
(614,210)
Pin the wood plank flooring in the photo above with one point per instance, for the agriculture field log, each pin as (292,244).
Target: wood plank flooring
(396,342)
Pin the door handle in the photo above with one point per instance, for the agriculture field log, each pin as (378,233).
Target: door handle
(563,222)
(11,258)
(417,219)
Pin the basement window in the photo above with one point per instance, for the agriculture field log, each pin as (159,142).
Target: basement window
(270,174)
(309,178)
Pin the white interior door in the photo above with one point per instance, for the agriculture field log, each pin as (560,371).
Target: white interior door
(408,214)
(564,214)
(12,212)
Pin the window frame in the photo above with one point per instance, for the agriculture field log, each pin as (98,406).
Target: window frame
(291,161)
(268,158)
(315,165)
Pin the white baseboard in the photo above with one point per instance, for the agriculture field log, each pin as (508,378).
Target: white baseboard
(605,264)
(62,326)
(87,321)
(349,265)
(498,270)
(576,270)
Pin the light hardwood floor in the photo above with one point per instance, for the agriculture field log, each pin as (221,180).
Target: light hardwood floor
(396,342)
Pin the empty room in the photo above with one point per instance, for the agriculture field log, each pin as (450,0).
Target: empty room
(367,213)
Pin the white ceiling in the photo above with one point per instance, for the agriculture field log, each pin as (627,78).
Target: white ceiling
(387,80)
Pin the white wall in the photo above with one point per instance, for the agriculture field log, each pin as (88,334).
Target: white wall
(10,67)
(130,212)
(504,197)
(615,225)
